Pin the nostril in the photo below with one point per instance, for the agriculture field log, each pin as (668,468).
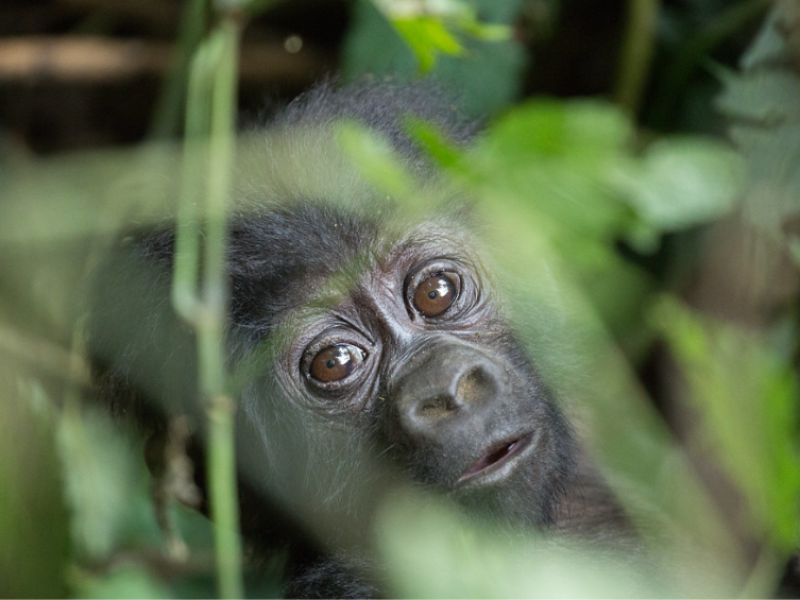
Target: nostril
(435,407)
(476,385)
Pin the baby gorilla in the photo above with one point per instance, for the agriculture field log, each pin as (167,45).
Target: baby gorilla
(367,352)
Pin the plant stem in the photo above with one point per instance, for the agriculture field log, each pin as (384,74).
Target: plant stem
(168,106)
(637,50)
(207,169)
(213,379)
(195,159)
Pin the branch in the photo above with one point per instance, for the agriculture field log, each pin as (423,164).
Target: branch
(98,59)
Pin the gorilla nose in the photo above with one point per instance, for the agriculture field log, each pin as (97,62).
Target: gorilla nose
(445,383)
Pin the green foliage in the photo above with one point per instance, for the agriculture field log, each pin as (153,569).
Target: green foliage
(34,534)
(762,105)
(378,163)
(486,71)
(572,164)
(685,182)
(426,26)
(101,479)
(747,403)
(436,552)
(126,582)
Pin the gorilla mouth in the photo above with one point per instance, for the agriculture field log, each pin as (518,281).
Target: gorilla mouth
(496,458)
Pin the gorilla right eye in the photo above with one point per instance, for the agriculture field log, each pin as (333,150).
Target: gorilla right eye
(336,362)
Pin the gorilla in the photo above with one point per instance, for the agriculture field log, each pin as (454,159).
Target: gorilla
(369,350)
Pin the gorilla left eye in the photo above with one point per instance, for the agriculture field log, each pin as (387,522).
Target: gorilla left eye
(436,294)
(336,362)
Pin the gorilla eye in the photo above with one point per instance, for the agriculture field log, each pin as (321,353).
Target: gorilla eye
(334,363)
(436,294)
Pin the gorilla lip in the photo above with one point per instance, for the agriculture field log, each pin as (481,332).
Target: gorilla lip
(495,458)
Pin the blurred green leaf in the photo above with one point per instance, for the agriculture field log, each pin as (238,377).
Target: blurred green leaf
(376,160)
(125,582)
(748,401)
(684,182)
(82,195)
(551,160)
(34,534)
(435,552)
(763,105)
(429,27)
(570,166)
(766,97)
(101,479)
(428,38)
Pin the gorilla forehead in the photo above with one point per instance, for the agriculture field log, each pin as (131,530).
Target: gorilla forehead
(280,259)
(273,255)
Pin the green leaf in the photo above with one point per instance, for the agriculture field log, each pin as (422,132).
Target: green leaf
(747,398)
(767,97)
(487,73)
(683,182)
(374,157)
(125,582)
(101,480)
(435,552)
(34,534)
(428,38)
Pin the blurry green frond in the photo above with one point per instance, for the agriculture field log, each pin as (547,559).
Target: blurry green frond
(762,103)
(747,401)
(102,482)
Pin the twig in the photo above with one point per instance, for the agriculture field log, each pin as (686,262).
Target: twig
(99,59)
(637,50)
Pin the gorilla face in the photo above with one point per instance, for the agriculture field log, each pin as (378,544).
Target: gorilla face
(395,344)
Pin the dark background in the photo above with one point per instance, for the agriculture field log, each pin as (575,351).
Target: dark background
(566,48)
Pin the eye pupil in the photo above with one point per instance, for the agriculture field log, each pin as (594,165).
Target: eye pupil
(432,295)
(330,364)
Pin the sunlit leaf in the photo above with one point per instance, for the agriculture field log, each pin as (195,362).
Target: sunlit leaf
(486,73)
(428,38)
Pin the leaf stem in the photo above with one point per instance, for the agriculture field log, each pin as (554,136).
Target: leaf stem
(637,51)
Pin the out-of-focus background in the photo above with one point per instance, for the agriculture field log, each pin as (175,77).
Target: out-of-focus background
(79,74)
